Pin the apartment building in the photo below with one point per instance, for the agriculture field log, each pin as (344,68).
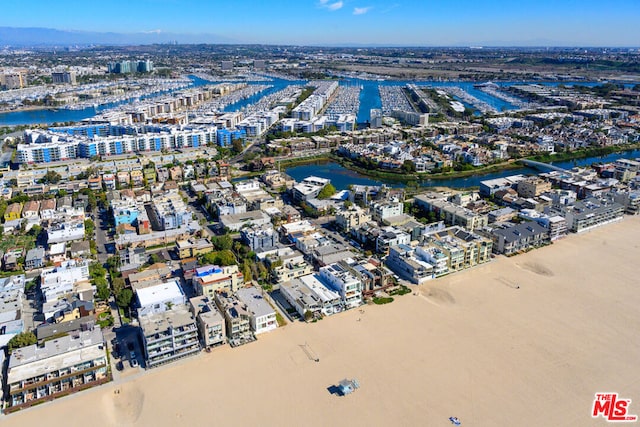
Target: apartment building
(590,213)
(193,247)
(59,366)
(404,262)
(157,297)
(452,213)
(519,237)
(170,211)
(211,278)
(169,335)
(210,321)
(462,248)
(340,278)
(309,188)
(384,210)
(308,293)
(349,218)
(237,318)
(532,187)
(263,316)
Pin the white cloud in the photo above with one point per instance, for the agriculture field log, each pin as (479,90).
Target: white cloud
(331,6)
(361,10)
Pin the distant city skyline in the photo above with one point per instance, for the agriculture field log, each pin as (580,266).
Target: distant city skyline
(346,22)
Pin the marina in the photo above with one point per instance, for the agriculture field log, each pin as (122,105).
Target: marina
(465,97)
(347,101)
(370,97)
(394,98)
(495,91)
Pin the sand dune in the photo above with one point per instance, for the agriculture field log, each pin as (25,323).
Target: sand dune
(524,341)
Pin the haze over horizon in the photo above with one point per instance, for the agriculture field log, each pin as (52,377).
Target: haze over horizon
(340,22)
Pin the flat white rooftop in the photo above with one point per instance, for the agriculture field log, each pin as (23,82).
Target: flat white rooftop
(160,293)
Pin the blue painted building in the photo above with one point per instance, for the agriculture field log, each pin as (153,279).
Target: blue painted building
(226,136)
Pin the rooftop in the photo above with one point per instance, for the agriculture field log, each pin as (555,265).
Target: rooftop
(35,360)
(254,301)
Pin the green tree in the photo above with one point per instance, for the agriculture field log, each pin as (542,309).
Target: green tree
(124,297)
(118,284)
(89,228)
(222,258)
(96,270)
(236,146)
(103,292)
(51,177)
(35,230)
(408,166)
(112,263)
(327,191)
(22,339)
(222,243)
(246,272)
(155,258)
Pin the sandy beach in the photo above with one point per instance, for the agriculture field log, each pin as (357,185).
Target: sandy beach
(524,341)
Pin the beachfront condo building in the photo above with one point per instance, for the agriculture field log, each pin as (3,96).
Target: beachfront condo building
(237,318)
(210,321)
(308,293)
(339,277)
(57,367)
(263,316)
(409,265)
(512,239)
(462,248)
(590,213)
(169,335)
(442,252)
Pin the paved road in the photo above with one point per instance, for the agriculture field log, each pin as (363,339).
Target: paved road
(201,214)
(101,235)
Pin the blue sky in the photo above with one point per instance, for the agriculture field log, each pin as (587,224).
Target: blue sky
(392,22)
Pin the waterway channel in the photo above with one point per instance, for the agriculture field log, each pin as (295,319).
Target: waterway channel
(342,177)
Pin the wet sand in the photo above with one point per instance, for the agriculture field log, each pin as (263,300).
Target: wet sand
(524,341)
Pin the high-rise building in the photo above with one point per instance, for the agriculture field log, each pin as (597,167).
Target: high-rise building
(376,118)
(227,65)
(68,77)
(126,67)
(13,81)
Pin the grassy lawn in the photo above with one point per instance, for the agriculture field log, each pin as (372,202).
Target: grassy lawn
(124,318)
(380,300)
(280,320)
(402,290)
(105,320)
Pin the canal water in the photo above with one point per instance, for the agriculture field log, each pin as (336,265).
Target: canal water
(369,99)
(342,177)
(50,116)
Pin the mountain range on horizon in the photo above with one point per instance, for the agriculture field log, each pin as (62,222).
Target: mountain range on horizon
(37,36)
(50,37)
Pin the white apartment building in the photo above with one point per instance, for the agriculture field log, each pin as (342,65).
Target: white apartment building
(338,277)
(263,316)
